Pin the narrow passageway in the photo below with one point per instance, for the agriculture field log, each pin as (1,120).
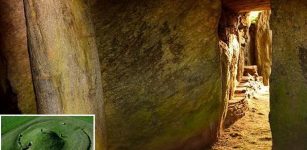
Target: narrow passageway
(246,59)
(251,131)
(158,74)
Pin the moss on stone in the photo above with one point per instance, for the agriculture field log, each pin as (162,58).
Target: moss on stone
(160,71)
(288,115)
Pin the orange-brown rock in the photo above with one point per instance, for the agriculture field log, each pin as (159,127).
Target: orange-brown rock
(64,60)
(251,70)
(263,43)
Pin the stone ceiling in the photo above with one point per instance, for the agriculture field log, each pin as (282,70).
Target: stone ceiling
(247,5)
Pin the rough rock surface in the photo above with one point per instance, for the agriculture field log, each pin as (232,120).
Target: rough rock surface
(7,97)
(13,45)
(252,132)
(244,40)
(161,72)
(230,51)
(236,110)
(234,35)
(288,116)
(247,5)
(64,60)
(226,58)
(263,43)
(250,54)
(237,106)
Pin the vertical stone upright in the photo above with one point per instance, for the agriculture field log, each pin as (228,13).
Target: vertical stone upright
(251,54)
(244,40)
(232,52)
(64,60)
(13,45)
(288,115)
(8,99)
(161,72)
(263,43)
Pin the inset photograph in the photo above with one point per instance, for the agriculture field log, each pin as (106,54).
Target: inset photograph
(40,132)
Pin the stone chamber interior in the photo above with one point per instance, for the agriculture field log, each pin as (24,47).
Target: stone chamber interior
(161,74)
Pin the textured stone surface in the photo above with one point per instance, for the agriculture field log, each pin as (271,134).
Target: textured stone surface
(247,5)
(237,106)
(226,58)
(236,110)
(230,51)
(288,116)
(234,32)
(250,54)
(234,48)
(161,72)
(263,43)
(13,44)
(3,84)
(250,70)
(244,40)
(64,60)
(7,97)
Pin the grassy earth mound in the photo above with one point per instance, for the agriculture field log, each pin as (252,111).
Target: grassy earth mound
(47,132)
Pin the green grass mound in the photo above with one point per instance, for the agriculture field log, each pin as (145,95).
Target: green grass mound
(47,133)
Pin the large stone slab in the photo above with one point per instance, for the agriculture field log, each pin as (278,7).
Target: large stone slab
(161,72)
(288,116)
(263,46)
(13,45)
(247,5)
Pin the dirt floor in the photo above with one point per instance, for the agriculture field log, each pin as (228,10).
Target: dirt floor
(252,132)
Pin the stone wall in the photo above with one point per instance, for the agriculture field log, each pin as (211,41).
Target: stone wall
(7,96)
(13,45)
(230,50)
(250,55)
(234,36)
(288,116)
(161,72)
(244,40)
(247,5)
(263,46)
(235,111)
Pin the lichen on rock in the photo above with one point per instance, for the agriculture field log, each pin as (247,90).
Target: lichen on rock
(160,71)
(288,114)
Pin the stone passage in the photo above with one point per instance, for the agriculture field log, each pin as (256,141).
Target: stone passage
(246,89)
(251,132)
